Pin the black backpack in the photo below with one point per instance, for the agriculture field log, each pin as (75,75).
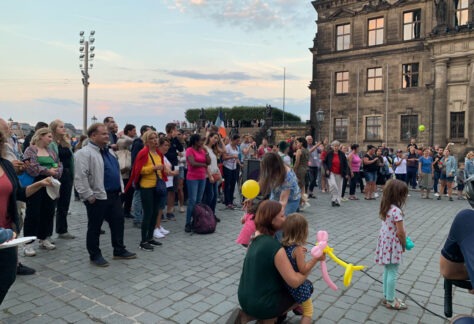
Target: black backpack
(204,221)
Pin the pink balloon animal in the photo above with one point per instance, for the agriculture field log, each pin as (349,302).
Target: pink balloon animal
(317,251)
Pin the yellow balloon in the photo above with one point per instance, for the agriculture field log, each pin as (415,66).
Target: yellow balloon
(421,128)
(250,189)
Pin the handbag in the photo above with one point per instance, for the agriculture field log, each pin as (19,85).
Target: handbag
(217,176)
(25,179)
(160,184)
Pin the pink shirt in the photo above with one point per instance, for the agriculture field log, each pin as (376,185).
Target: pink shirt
(356,160)
(247,230)
(196,173)
(5,192)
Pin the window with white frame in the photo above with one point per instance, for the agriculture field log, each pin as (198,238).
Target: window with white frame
(374,79)
(343,37)
(411,25)
(342,82)
(375,31)
(462,12)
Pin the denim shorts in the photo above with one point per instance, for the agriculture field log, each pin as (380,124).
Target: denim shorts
(370,176)
(444,177)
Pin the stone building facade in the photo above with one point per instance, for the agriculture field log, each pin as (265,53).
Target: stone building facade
(382,68)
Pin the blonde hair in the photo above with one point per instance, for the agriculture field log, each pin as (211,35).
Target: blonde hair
(295,230)
(147,135)
(470,154)
(61,138)
(40,133)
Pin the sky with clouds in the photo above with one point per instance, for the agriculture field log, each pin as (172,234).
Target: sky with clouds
(153,58)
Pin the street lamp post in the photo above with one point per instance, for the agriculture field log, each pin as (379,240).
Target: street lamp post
(86,55)
(94,119)
(320,119)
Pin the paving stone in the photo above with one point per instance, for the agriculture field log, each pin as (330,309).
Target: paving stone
(194,279)
(118,319)
(126,309)
(98,312)
(185,316)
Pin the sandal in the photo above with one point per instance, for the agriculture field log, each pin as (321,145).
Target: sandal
(397,304)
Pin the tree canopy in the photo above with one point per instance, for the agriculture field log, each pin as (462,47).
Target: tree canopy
(243,113)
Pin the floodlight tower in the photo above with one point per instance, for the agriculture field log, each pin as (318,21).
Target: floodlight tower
(86,54)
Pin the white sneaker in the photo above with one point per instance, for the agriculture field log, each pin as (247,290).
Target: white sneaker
(45,244)
(304,206)
(181,209)
(29,251)
(436,194)
(376,195)
(344,199)
(50,239)
(164,231)
(157,234)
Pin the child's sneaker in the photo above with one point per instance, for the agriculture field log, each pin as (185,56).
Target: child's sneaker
(45,244)
(158,234)
(29,250)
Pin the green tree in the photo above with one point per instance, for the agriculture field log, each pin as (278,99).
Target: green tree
(243,113)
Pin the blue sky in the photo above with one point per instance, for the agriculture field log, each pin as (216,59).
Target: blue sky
(153,59)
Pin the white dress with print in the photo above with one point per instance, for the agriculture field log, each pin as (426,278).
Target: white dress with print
(389,249)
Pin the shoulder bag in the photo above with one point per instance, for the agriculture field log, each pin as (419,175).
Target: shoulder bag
(160,184)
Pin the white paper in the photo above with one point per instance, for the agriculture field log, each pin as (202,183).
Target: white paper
(17,241)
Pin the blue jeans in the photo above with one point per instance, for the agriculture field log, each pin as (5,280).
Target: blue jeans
(195,192)
(390,274)
(137,209)
(437,175)
(210,195)
(292,206)
(401,176)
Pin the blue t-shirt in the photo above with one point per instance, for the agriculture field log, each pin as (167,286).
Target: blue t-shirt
(291,182)
(426,164)
(459,246)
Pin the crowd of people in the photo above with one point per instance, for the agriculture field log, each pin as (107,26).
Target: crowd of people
(148,178)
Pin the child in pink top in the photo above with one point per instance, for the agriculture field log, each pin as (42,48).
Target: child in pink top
(247,231)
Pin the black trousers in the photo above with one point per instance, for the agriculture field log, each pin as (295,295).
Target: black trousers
(111,211)
(39,216)
(127,198)
(230,179)
(8,261)
(354,181)
(313,177)
(65,192)
(150,203)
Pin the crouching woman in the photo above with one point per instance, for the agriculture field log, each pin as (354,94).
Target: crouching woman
(262,292)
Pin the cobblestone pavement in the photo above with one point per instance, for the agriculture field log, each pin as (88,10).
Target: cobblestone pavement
(194,278)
